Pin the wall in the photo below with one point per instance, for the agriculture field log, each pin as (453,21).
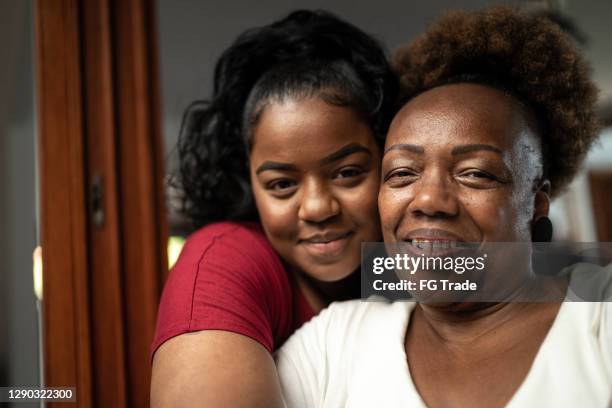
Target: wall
(18,317)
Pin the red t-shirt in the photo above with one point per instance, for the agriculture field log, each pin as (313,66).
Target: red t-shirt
(228,277)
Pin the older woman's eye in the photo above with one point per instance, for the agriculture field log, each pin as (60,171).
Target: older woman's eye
(401,173)
(478,174)
(479,179)
(401,176)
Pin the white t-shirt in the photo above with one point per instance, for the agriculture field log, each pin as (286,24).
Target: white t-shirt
(352,355)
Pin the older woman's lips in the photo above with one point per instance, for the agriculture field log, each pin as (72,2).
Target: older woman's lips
(327,246)
(432,234)
(433,242)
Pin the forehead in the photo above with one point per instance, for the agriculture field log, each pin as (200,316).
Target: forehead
(461,114)
(307,128)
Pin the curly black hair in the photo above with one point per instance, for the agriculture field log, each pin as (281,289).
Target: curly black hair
(308,53)
(526,55)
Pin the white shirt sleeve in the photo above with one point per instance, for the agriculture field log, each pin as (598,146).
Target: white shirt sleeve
(301,363)
(605,336)
(313,365)
(605,330)
(316,364)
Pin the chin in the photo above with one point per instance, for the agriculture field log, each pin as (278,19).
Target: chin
(331,273)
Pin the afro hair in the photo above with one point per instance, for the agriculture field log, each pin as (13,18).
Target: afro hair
(528,56)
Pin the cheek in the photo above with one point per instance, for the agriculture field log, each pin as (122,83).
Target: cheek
(392,205)
(361,204)
(278,217)
(524,205)
(490,217)
(499,215)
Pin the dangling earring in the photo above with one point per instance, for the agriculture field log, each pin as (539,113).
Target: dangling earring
(542,230)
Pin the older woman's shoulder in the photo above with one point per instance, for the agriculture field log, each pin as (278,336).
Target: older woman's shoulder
(588,310)
(589,282)
(344,325)
(315,363)
(353,315)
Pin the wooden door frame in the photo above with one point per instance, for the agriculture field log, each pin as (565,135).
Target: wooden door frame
(599,184)
(103,219)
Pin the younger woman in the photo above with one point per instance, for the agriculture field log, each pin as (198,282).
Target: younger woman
(281,171)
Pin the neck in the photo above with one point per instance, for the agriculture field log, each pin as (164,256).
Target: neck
(320,294)
(466,322)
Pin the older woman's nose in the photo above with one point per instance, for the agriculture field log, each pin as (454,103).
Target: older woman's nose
(434,198)
(318,203)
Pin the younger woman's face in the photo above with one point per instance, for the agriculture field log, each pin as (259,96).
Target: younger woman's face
(315,176)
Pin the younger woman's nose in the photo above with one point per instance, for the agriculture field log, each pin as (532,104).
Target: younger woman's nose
(317,202)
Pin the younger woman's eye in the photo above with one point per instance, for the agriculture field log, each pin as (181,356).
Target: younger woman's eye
(348,172)
(281,185)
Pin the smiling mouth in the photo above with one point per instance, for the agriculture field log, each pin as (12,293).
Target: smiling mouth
(437,246)
(327,246)
(423,243)
(432,247)
(326,237)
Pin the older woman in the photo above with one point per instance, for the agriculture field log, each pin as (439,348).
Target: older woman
(498,116)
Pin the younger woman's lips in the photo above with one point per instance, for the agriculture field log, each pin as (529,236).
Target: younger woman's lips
(329,249)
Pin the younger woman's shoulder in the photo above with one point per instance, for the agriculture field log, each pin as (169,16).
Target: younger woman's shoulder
(228,231)
(229,278)
(232,240)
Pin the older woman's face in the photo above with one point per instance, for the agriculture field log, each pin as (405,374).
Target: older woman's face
(462,163)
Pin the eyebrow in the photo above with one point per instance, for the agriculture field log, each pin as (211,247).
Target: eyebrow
(474,148)
(458,150)
(335,156)
(343,152)
(403,146)
(270,165)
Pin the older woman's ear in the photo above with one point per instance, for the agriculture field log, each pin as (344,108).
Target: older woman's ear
(541,226)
